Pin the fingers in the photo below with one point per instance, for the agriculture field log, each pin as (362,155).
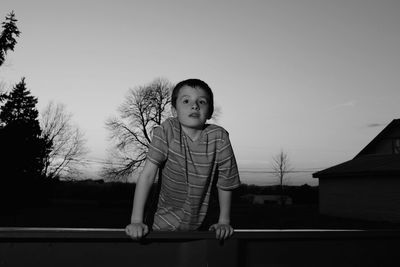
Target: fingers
(137,231)
(212,227)
(219,233)
(145,230)
(229,232)
(222,231)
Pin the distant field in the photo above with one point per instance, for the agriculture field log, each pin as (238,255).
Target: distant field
(88,215)
(107,205)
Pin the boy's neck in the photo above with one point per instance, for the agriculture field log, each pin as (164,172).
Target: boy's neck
(192,133)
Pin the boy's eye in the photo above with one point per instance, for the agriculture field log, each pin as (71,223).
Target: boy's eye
(203,102)
(185,101)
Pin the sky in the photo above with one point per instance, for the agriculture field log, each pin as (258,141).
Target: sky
(317,79)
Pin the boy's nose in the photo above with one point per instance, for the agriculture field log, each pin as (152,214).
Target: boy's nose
(195,106)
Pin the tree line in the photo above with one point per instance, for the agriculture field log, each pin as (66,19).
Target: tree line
(33,146)
(48,145)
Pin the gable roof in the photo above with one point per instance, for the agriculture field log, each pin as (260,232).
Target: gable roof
(392,125)
(365,163)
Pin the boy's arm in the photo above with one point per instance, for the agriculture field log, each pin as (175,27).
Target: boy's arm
(143,185)
(137,229)
(223,229)
(224,197)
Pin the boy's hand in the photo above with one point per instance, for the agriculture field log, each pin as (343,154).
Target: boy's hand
(222,230)
(137,230)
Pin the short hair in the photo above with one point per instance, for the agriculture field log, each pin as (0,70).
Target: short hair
(194,83)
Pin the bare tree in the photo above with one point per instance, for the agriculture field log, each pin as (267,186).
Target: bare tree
(66,141)
(281,167)
(144,108)
(2,91)
(216,114)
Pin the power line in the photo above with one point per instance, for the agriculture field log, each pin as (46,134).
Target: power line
(274,172)
(259,170)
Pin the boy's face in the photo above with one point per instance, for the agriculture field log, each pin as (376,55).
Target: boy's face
(192,107)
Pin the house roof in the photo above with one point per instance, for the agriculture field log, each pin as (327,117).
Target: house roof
(393,124)
(370,165)
(365,163)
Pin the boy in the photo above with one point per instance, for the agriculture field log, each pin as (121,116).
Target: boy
(190,154)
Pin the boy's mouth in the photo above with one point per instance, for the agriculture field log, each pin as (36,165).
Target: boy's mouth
(194,115)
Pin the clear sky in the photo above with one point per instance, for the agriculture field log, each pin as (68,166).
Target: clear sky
(318,79)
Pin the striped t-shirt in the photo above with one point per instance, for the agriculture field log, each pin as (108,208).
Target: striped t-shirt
(188,169)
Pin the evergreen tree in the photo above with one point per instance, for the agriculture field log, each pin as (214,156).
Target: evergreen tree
(7,36)
(22,149)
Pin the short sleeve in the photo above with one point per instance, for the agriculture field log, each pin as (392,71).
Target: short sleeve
(158,148)
(228,174)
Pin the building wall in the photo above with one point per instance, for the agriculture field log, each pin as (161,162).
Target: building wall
(369,198)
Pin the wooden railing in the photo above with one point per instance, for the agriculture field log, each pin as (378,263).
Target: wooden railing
(58,247)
